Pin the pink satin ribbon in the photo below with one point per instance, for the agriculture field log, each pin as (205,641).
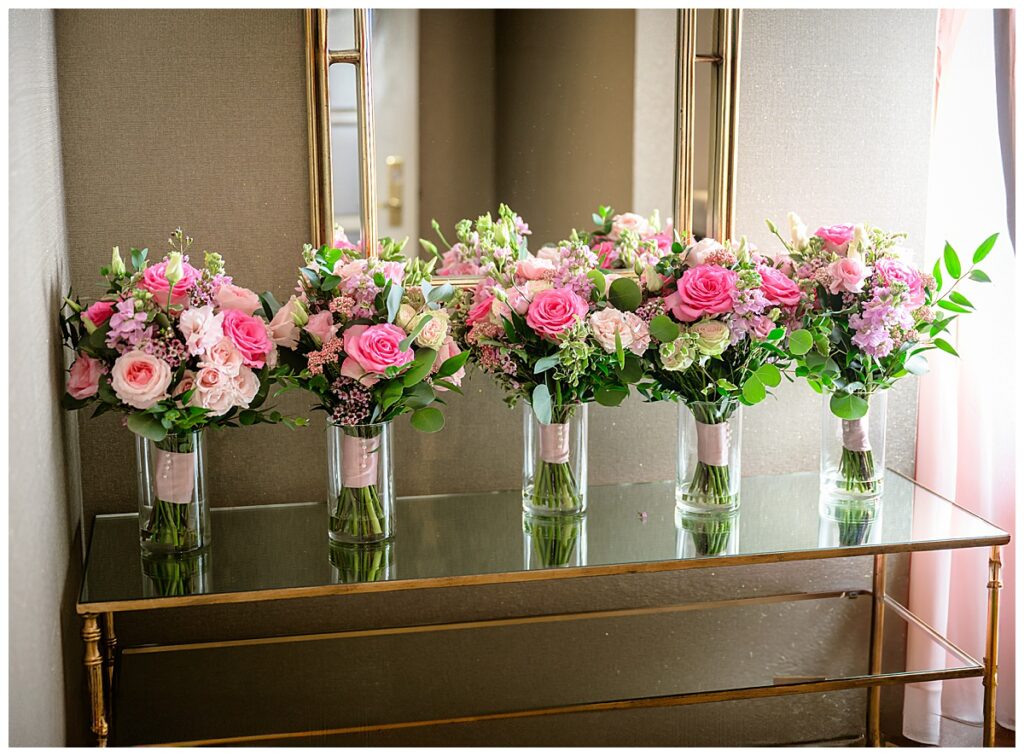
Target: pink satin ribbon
(554,443)
(713,444)
(855,435)
(174,476)
(359,461)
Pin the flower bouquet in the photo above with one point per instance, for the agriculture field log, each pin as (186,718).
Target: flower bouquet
(718,315)
(552,330)
(875,315)
(628,240)
(177,349)
(471,254)
(370,339)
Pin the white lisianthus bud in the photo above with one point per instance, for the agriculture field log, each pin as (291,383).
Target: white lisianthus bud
(173,271)
(300,315)
(116,263)
(405,316)
(742,253)
(858,243)
(797,231)
(651,279)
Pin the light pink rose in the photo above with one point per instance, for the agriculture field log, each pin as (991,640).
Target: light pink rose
(778,288)
(346,269)
(704,290)
(630,222)
(215,391)
(322,326)
(84,378)
(231,297)
(249,335)
(519,297)
(224,356)
(376,348)
(393,270)
(187,383)
(554,310)
(847,274)
(201,328)
(140,380)
(246,386)
(697,253)
(837,238)
(283,330)
(633,332)
(154,281)
(535,269)
(447,350)
(888,271)
(99,313)
(352,369)
(549,252)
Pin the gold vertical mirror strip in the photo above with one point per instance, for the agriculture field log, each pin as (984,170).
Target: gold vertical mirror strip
(367,145)
(722,190)
(321,200)
(686,58)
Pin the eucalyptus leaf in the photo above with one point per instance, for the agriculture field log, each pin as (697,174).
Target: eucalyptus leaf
(441,293)
(632,369)
(419,396)
(801,342)
(394,302)
(611,396)
(664,329)
(916,365)
(848,406)
(624,294)
(545,363)
(597,278)
(753,390)
(147,426)
(769,375)
(427,419)
(541,402)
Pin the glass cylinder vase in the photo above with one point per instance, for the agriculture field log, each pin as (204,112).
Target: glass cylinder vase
(705,534)
(360,483)
(849,521)
(555,461)
(558,541)
(173,514)
(362,562)
(176,574)
(708,456)
(853,451)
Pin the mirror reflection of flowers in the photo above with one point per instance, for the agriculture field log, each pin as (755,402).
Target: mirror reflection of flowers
(628,241)
(474,246)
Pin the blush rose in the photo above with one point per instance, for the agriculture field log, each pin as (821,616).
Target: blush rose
(140,380)
(84,377)
(777,287)
(154,280)
(231,297)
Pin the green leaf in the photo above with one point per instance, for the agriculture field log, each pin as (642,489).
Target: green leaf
(390,394)
(541,402)
(545,363)
(848,406)
(407,341)
(769,375)
(624,294)
(441,293)
(597,278)
(420,367)
(330,282)
(270,304)
(775,334)
(420,396)
(147,426)
(960,299)
(427,419)
(916,365)
(945,346)
(664,329)
(984,248)
(800,341)
(311,276)
(611,396)
(452,365)
(753,390)
(980,276)
(632,369)
(394,302)
(945,304)
(937,275)
(952,261)
(430,247)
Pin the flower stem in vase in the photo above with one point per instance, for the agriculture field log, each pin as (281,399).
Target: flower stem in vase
(358,513)
(554,542)
(857,462)
(556,488)
(712,482)
(854,523)
(168,528)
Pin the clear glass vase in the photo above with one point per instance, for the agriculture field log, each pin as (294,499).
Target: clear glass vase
(360,483)
(555,461)
(849,521)
(704,534)
(176,574)
(173,514)
(853,451)
(708,456)
(362,562)
(554,541)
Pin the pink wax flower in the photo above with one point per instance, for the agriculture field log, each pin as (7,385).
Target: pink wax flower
(703,290)
(249,335)
(139,379)
(84,378)
(777,287)
(321,325)
(552,311)
(99,313)
(889,270)
(847,275)
(837,238)
(373,349)
(231,297)
(155,282)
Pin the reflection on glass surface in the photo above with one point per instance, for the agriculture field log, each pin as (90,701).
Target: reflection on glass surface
(559,541)
(283,546)
(709,533)
(849,521)
(362,562)
(171,575)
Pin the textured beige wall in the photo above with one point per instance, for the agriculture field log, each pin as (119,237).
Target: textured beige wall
(44,508)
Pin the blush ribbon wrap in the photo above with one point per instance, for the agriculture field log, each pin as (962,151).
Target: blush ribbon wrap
(855,435)
(554,443)
(359,461)
(174,476)
(713,444)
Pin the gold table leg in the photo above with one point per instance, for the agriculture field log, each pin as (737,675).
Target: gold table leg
(91,635)
(110,644)
(874,727)
(995,564)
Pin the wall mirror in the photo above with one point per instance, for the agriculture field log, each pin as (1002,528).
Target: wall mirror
(418,115)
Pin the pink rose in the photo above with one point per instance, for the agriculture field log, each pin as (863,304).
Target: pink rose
(696,254)
(187,383)
(889,271)
(535,269)
(607,254)
(215,391)
(847,274)
(246,385)
(231,297)
(283,330)
(201,328)
(393,270)
(322,326)
(224,356)
(490,309)
(633,333)
(777,288)
(376,348)
(837,238)
(704,290)
(99,313)
(554,310)
(551,253)
(154,281)
(346,269)
(84,378)
(249,335)
(140,380)
(447,350)
(630,222)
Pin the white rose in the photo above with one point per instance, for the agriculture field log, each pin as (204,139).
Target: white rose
(632,332)
(434,333)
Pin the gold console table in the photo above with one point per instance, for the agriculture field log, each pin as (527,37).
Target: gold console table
(281,553)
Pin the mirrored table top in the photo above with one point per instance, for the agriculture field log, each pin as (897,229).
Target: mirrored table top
(282,551)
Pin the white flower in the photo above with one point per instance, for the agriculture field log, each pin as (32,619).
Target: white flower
(797,231)
(434,333)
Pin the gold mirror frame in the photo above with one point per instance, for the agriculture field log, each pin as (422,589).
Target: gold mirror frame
(722,180)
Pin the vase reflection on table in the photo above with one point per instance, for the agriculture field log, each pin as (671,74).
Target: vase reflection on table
(559,541)
(704,534)
(166,575)
(849,521)
(362,562)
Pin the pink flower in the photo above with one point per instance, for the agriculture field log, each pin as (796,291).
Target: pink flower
(140,380)
(696,254)
(704,290)
(322,326)
(231,297)
(535,269)
(847,274)
(481,311)
(449,349)
(889,271)
(519,297)
(393,270)
(215,391)
(376,348)
(249,335)
(84,379)
(154,281)
(201,328)
(837,238)
(283,330)
(632,332)
(187,383)
(246,385)
(607,254)
(554,310)
(630,222)
(777,287)
(99,313)
(224,356)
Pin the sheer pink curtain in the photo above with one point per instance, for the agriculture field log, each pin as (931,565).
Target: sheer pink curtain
(965,447)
